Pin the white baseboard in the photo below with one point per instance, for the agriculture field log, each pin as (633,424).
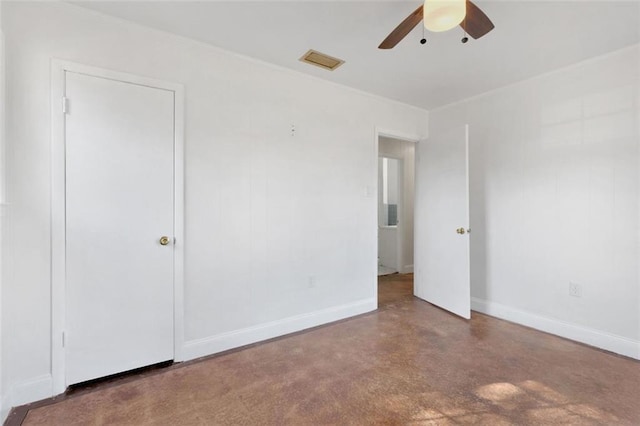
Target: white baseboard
(41,387)
(24,392)
(234,339)
(5,407)
(599,339)
(407,269)
(31,390)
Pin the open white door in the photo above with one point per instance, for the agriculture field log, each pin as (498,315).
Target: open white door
(442,271)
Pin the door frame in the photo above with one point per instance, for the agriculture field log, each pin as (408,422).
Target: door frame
(58,208)
(414,138)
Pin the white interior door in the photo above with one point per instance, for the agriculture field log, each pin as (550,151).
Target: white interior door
(119,141)
(441,259)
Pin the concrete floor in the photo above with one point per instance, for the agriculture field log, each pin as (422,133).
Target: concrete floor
(407,363)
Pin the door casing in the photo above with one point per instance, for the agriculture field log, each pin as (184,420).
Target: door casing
(58,209)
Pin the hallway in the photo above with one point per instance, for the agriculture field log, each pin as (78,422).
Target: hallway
(394,289)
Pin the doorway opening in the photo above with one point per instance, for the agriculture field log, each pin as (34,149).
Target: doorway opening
(396,187)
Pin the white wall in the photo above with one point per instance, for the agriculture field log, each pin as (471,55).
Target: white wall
(554,199)
(382,211)
(389,191)
(392,181)
(387,235)
(404,150)
(3,409)
(388,247)
(265,211)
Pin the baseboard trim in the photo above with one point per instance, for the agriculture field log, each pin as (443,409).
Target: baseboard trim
(25,392)
(41,387)
(246,336)
(31,390)
(407,269)
(599,339)
(5,408)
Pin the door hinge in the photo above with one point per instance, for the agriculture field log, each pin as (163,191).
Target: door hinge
(63,339)
(65,105)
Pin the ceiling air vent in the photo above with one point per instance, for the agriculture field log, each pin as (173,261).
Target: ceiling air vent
(321,60)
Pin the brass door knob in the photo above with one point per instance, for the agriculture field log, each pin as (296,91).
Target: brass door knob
(460,231)
(164,240)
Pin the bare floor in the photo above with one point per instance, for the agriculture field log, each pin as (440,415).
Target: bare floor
(407,363)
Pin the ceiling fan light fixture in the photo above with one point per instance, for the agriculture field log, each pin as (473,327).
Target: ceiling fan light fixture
(442,15)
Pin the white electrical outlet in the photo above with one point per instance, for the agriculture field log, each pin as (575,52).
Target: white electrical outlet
(312,281)
(575,289)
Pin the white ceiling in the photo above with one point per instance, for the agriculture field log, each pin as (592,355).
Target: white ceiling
(530,38)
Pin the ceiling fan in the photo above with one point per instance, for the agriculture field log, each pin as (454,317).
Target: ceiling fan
(442,15)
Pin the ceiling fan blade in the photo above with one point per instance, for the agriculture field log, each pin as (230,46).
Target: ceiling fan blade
(476,23)
(402,30)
